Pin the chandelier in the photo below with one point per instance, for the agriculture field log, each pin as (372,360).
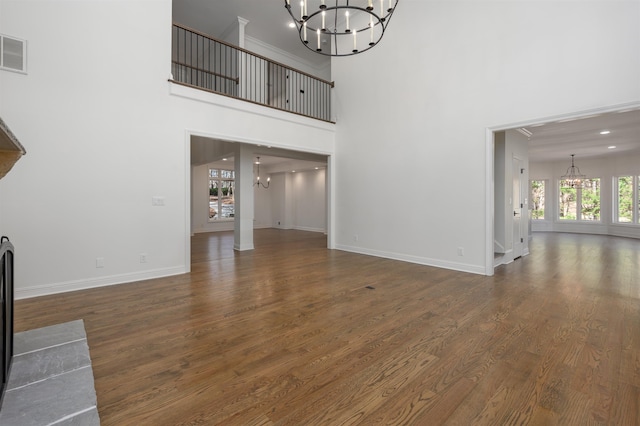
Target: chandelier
(257,182)
(573,178)
(341,27)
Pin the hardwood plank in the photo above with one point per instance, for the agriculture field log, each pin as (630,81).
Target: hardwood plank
(290,333)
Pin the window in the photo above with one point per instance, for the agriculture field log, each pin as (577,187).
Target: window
(221,189)
(581,203)
(13,54)
(627,199)
(537,199)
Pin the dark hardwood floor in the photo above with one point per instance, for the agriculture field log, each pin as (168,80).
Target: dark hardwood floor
(294,334)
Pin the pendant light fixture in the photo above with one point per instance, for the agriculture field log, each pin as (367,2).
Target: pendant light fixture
(257,182)
(573,178)
(340,27)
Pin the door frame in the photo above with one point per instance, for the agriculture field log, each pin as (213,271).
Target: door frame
(489,163)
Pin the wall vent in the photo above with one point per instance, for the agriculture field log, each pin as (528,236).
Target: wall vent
(13,54)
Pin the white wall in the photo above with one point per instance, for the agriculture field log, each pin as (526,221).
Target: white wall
(500,194)
(263,216)
(105,132)
(606,168)
(309,201)
(297,200)
(509,144)
(278,55)
(413,112)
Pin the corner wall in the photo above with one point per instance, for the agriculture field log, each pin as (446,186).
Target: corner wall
(107,175)
(412,114)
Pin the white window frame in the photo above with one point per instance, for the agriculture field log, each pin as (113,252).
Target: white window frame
(635,195)
(545,182)
(22,70)
(578,204)
(220,179)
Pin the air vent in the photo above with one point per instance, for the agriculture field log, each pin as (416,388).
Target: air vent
(13,54)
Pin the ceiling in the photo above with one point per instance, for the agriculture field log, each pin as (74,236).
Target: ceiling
(220,154)
(268,21)
(582,136)
(551,141)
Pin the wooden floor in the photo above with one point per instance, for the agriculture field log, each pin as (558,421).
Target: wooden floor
(294,334)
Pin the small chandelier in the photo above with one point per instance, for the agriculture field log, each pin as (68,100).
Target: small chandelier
(341,27)
(573,178)
(257,182)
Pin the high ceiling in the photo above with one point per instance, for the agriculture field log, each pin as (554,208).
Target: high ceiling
(552,141)
(268,21)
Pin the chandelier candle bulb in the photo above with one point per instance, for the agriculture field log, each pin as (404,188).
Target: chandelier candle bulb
(338,20)
(371,43)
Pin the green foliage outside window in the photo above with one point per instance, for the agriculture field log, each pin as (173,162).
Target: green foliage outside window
(625,199)
(537,199)
(567,200)
(591,199)
(214,191)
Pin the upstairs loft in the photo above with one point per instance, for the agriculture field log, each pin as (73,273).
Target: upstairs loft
(203,62)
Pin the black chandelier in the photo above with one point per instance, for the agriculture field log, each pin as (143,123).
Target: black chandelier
(257,182)
(341,27)
(573,178)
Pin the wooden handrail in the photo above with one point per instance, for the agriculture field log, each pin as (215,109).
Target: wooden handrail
(182,64)
(330,83)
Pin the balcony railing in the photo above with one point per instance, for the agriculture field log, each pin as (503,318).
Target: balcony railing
(213,65)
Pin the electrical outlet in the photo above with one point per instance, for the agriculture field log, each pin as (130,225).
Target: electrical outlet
(355,238)
(99,262)
(460,251)
(143,257)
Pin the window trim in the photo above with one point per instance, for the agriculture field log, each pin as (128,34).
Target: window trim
(219,178)
(545,216)
(578,202)
(635,200)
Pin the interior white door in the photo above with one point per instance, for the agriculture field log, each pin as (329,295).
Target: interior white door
(518,207)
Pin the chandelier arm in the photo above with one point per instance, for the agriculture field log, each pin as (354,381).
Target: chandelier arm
(337,48)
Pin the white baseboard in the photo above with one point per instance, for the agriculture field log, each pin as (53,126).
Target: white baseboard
(304,228)
(456,266)
(47,289)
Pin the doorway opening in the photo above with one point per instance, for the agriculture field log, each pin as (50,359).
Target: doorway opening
(508,199)
(298,196)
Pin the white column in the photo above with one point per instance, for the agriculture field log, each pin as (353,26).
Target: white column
(243,220)
(241,24)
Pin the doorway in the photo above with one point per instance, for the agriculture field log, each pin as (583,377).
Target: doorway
(293,174)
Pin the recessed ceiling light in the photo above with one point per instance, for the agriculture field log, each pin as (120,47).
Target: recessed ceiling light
(612,147)
(293,171)
(605,132)
(224,159)
(292,25)
(317,168)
